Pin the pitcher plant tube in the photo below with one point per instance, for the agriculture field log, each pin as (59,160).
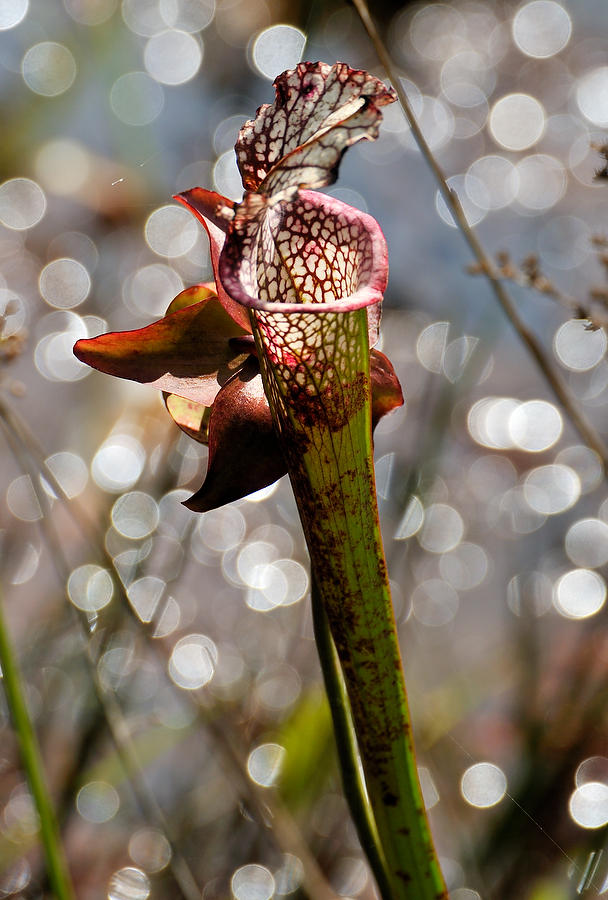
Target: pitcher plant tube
(272,367)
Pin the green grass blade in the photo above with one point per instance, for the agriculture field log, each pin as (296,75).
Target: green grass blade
(32,765)
(346,745)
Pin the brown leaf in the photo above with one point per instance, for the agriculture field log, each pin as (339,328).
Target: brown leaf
(186,353)
(386,389)
(244,453)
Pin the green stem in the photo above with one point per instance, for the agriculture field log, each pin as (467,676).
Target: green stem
(32,764)
(346,745)
(322,413)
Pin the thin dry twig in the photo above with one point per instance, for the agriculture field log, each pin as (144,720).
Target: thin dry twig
(529,274)
(535,348)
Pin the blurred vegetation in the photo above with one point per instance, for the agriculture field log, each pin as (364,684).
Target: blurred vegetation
(168,659)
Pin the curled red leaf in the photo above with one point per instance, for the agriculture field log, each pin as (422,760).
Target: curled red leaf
(215,213)
(386,389)
(244,455)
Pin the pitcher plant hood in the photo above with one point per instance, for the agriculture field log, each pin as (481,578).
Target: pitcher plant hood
(285,248)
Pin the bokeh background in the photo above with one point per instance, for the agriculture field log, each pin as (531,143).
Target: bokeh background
(168,657)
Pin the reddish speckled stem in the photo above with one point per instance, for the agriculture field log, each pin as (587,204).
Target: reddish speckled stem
(316,375)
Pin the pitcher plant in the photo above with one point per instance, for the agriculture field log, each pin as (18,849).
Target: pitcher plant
(273,367)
